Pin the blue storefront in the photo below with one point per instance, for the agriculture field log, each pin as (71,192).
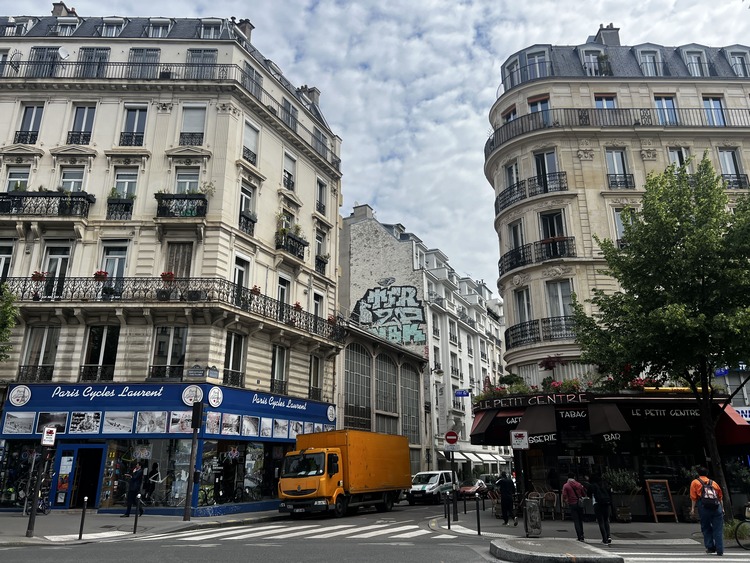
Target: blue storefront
(103,430)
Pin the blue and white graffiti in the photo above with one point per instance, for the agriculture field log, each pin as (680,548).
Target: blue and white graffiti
(394,313)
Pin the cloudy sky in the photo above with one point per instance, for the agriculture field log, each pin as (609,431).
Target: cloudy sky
(407,85)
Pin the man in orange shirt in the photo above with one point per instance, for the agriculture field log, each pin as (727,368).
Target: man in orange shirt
(711,513)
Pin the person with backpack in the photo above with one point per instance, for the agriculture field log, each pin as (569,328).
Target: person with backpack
(601,493)
(708,496)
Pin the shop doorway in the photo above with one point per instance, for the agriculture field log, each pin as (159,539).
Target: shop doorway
(78,475)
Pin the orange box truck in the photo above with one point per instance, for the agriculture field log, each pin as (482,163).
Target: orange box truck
(343,470)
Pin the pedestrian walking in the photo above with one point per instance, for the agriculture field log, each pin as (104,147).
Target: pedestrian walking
(601,495)
(507,490)
(134,487)
(707,494)
(573,494)
(151,479)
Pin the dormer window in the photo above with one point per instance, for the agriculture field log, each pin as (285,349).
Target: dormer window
(158,28)
(512,75)
(111,27)
(211,30)
(537,65)
(651,63)
(696,64)
(63,27)
(739,62)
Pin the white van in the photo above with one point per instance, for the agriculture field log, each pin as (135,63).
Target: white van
(429,486)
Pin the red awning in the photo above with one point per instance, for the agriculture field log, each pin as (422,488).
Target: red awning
(732,429)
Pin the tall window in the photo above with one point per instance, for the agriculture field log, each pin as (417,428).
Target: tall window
(278,369)
(357,391)
(43,62)
(739,63)
(316,377)
(321,197)
(289,114)
(290,170)
(650,63)
(617,171)
(101,353)
(111,29)
(30,123)
(41,351)
(210,31)
(591,63)
(201,64)
(71,179)
(92,62)
(133,127)
(512,74)
(193,120)
(143,63)
(179,258)
(247,197)
(546,165)
(714,108)
(619,226)
(678,155)
(320,242)
(283,290)
(511,174)
(522,304)
(559,298)
(605,102)
(695,64)
(665,110)
(169,352)
(515,232)
(56,261)
(6,259)
(83,124)
(253,81)
(18,178)
(552,224)
(158,29)
(187,180)
(320,142)
(537,65)
(386,394)
(233,359)
(731,169)
(125,181)
(250,144)
(410,410)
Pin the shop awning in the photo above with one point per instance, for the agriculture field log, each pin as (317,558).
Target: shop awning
(538,420)
(732,429)
(458,456)
(486,457)
(472,457)
(606,418)
(482,421)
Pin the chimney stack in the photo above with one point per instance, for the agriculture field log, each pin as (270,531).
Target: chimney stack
(609,35)
(60,10)
(246,28)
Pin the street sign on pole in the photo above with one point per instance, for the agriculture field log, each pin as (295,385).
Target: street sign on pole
(48,436)
(451,437)
(461,393)
(519,439)
(451,447)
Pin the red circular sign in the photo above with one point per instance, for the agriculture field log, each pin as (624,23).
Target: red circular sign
(451,437)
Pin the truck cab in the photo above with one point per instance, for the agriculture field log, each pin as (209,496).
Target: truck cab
(311,481)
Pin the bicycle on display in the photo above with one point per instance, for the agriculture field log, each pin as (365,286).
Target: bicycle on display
(43,505)
(206,495)
(742,534)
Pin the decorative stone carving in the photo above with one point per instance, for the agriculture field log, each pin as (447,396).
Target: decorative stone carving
(648,154)
(619,143)
(226,107)
(647,143)
(163,107)
(585,154)
(520,279)
(556,271)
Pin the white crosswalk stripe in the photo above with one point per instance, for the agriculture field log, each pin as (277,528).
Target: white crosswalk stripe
(384,532)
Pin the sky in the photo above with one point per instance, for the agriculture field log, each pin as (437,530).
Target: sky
(408,84)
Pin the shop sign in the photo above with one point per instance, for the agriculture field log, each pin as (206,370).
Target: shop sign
(195,371)
(744,413)
(543,438)
(533,400)
(663,413)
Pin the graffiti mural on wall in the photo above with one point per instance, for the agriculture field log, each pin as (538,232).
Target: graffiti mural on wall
(393,313)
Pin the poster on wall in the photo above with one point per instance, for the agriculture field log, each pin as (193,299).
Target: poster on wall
(309,427)
(180,422)
(280,428)
(151,422)
(85,422)
(118,422)
(266,427)
(230,424)
(295,427)
(58,420)
(19,422)
(250,425)
(213,422)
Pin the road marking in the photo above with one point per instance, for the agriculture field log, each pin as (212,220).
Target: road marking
(384,532)
(97,536)
(263,532)
(344,532)
(413,534)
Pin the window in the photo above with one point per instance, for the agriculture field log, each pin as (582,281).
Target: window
(290,169)
(650,63)
(233,359)
(511,174)
(193,120)
(110,29)
(316,378)
(695,64)
(678,155)
(250,144)
(731,170)
(537,65)
(542,108)
(125,181)
(201,64)
(210,31)
(56,261)
(386,392)
(410,411)
(134,127)
(143,63)
(357,392)
(247,198)
(41,351)
(278,369)
(43,62)
(289,114)
(320,242)
(283,290)
(665,110)
(253,81)
(619,227)
(169,352)
(546,170)
(558,298)
(714,109)
(187,180)
(179,258)
(512,74)
(515,232)
(101,353)
(66,29)
(321,197)
(738,60)
(510,115)
(6,256)
(158,29)
(3,62)
(591,63)
(605,102)
(115,254)
(617,171)
(320,142)
(71,179)
(83,124)
(92,62)
(18,178)
(30,123)
(523,306)
(552,224)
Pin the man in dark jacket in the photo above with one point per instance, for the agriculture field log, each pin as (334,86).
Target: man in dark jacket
(601,493)
(507,490)
(134,487)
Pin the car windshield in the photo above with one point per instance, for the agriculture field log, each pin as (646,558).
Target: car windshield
(469,483)
(302,465)
(425,478)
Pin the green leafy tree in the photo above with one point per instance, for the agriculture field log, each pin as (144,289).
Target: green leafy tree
(8,318)
(683,309)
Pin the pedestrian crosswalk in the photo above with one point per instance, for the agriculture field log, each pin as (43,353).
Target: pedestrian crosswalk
(288,530)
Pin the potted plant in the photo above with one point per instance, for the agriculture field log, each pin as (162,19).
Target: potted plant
(297,306)
(167,276)
(255,290)
(38,276)
(331,320)
(100,275)
(625,484)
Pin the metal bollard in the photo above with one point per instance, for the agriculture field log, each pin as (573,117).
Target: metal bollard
(455,506)
(464,504)
(137,512)
(479,525)
(448,510)
(83,517)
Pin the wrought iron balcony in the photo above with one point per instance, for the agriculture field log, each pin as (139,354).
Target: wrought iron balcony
(558,328)
(321,264)
(540,330)
(35,373)
(435,331)
(247,222)
(181,205)
(250,156)
(521,74)
(522,334)
(320,207)
(191,139)
(453,338)
(26,137)
(46,204)
(95,372)
(171,372)
(292,244)
(316,394)
(288,180)
(735,181)
(119,209)
(546,183)
(278,387)
(620,182)
(79,137)
(180,291)
(454,371)
(130,139)
(624,118)
(557,247)
(233,378)
(510,195)
(515,258)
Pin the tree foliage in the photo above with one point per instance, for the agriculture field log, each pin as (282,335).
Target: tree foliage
(684,273)
(8,318)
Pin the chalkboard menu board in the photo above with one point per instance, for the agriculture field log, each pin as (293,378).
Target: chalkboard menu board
(661,499)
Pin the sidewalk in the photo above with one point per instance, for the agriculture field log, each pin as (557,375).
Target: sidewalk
(63,526)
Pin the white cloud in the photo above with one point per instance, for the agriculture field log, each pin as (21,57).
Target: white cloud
(408,87)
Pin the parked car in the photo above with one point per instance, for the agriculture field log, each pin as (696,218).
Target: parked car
(489,480)
(471,487)
(429,486)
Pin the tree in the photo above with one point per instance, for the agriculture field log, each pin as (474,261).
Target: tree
(683,308)
(8,318)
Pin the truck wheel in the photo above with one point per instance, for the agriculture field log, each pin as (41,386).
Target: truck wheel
(388,503)
(339,508)
(412,502)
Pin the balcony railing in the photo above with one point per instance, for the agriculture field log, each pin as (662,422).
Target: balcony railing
(131,139)
(291,244)
(46,204)
(543,250)
(191,139)
(250,156)
(119,73)
(278,387)
(320,207)
(95,372)
(316,394)
(119,209)
(545,183)
(521,74)
(735,181)
(320,265)
(26,137)
(288,181)
(233,378)
(180,291)
(34,374)
(620,182)
(172,372)
(181,205)
(453,338)
(79,137)
(541,330)
(247,222)
(627,118)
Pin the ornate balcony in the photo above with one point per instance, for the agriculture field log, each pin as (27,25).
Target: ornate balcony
(46,204)
(130,139)
(233,378)
(510,195)
(557,247)
(247,222)
(278,387)
(35,373)
(540,330)
(191,139)
(735,181)
(95,372)
(170,372)
(292,244)
(181,205)
(515,258)
(79,137)
(26,137)
(250,156)
(321,264)
(620,182)
(316,394)
(545,183)
(119,209)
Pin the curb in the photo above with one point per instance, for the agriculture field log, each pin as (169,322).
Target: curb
(533,551)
